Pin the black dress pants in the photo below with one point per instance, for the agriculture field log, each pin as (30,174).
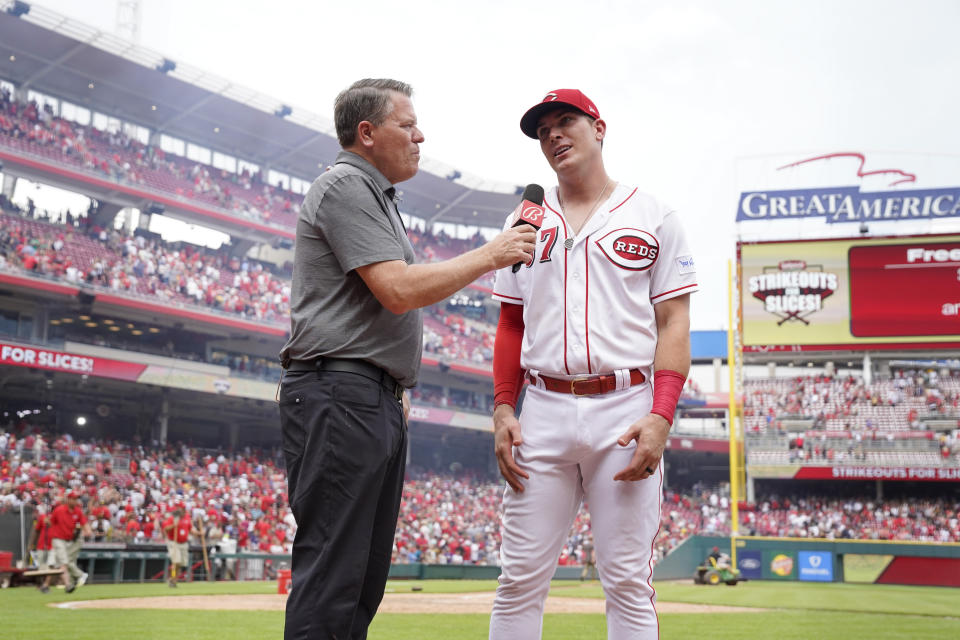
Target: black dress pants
(345,443)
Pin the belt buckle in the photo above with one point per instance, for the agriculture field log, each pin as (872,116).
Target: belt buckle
(573,387)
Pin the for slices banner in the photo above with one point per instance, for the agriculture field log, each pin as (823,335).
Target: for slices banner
(849,292)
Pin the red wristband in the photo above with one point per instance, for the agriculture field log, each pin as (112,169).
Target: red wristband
(667,386)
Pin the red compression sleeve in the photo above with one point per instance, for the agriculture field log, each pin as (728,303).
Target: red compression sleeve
(507,374)
(667,386)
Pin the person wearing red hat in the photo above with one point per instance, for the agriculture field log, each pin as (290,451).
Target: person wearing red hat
(176,530)
(68,526)
(601,309)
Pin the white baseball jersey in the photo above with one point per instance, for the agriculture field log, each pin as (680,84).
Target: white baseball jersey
(593,307)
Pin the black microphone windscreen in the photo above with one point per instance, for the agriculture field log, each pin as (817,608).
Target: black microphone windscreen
(533,193)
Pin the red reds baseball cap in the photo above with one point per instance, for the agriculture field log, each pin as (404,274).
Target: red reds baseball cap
(571,97)
(73,495)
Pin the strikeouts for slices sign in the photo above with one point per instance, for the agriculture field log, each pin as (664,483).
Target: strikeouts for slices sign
(793,290)
(840,293)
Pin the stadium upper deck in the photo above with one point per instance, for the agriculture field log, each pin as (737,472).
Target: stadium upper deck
(46,52)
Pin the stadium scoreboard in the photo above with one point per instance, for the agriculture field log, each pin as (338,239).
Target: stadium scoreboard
(868,293)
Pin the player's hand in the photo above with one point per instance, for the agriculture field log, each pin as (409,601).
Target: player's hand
(650,433)
(406,407)
(506,436)
(514,245)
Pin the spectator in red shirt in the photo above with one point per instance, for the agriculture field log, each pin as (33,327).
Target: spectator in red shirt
(67,526)
(132,528)
(148,526)
(40,542)
(177,529)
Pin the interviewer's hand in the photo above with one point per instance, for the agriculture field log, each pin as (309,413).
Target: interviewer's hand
(650,432)
(406,407)
(506,436)
(514,245)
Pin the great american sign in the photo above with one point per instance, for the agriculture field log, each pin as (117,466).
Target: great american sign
(849,204)
(871,194)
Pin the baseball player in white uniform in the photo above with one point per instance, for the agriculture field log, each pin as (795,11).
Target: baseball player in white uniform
(602,308)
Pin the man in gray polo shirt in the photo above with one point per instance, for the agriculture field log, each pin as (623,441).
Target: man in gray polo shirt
(355,343)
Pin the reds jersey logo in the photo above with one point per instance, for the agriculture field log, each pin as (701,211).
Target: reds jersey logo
(630,249)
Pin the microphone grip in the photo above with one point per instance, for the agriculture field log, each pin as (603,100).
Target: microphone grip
(530,212)
(517,266)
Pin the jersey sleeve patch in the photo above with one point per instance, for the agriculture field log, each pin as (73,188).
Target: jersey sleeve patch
(685,265)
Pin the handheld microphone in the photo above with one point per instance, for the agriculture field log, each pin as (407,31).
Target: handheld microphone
(530,211)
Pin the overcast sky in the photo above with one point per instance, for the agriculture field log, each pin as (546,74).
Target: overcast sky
(688,89)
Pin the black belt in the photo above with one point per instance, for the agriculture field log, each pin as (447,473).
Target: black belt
(344,365)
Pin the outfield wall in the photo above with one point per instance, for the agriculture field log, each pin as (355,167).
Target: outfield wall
(150,564)
(785,559)
(820,560)
(863,561)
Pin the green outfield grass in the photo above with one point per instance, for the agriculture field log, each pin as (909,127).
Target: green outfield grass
(803,610)
(859,598)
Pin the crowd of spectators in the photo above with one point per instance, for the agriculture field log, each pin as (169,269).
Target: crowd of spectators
(859,518)
(185,274)
(128,489)
(451,398)
(115,155)
(166,273)
(847,403)
(445,518)
(451,336)
(81,253)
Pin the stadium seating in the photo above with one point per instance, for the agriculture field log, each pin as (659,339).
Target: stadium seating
(144,268)
(170,274)
(848,404)
(25,129)
(445,518)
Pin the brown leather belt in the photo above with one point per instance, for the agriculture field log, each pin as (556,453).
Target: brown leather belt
(589,385)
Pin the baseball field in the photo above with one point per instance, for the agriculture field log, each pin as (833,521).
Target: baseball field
(458,610)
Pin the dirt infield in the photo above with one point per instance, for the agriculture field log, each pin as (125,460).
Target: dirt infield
(392,603)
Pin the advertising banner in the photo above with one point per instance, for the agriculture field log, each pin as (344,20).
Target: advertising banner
(870,292)
(779,565)
(713,445)
(815,566)
(906,474)
(50,360)
(750,564)
(849,204)
(938,572)
(864,568)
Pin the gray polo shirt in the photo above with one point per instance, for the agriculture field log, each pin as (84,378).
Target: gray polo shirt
(348,220)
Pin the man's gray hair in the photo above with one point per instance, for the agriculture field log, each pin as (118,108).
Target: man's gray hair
(368,99)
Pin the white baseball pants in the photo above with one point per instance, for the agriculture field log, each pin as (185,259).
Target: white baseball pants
(570,451)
